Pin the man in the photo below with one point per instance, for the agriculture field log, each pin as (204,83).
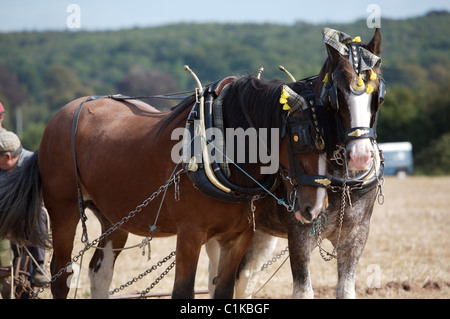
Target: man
(12,156)
(5,247)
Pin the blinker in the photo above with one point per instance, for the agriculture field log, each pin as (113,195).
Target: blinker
(300,134)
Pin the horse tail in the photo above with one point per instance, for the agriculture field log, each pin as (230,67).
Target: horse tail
(21,205)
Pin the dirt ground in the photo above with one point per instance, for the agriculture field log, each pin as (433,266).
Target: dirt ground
(407,254)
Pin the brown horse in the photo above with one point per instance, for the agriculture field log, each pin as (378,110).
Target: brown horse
(123,154)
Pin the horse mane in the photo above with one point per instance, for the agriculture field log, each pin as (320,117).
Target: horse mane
(258,98)
(252,102)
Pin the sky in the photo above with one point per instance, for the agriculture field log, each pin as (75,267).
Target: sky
(90,15)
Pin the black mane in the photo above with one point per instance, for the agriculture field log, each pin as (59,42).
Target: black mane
(258,98)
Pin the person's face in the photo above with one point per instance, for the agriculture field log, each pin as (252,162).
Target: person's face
(7,162)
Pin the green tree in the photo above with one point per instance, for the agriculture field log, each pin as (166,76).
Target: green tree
(62,85)
(435,159)
(398,115)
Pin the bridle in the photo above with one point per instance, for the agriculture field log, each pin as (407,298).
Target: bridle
(302,135)
(362,62)
(329,97)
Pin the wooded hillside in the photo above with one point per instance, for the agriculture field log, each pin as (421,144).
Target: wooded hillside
(41,71)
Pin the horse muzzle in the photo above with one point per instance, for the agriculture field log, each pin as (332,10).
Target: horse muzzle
(307,213)
(360,154)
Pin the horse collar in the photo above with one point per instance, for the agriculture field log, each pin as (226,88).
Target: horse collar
(211,177)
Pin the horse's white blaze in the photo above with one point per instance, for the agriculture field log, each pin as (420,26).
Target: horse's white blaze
(359,106)
(101,279)
(321,191)
(320,195)
(360,150)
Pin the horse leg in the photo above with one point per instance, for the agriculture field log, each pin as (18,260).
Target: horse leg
(349,253)
(300,247)
(260,250)
(101,267)
(189,243)
(231,254)
(63,233)
(212,249)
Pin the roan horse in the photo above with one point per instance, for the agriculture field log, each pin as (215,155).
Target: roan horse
(122,152)
(355,169)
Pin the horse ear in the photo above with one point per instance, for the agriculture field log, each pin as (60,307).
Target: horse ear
(374,45)
(334,54)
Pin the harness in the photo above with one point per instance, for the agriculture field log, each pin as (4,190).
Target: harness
(212,178)
(329,96)
(362,62)
(304,135)
(76,117)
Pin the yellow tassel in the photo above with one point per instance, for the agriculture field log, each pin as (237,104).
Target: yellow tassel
(373,75)
(283,99)
(360,81)
(325,79)
(284,94)
(369,89)
(357,39)
(286,107)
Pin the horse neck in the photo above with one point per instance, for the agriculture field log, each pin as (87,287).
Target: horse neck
(253,104)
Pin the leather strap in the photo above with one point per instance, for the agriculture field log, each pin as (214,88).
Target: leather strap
(81,207)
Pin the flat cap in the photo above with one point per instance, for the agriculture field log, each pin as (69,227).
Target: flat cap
(9,142)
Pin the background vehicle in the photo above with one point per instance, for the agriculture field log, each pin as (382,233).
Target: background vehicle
(398,158)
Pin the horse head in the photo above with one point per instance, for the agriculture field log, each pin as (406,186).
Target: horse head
(299,149)
(302,152)
(351,83)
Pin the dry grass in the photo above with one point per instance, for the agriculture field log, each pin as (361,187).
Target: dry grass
(407,251)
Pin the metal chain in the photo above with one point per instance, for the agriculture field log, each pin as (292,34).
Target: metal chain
(142,275)
(163,274)
(102,236)
(380,181)
(327,256)
(340,158)
(275,258)
(251,212)
(339,155)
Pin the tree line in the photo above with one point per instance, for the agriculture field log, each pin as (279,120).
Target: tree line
(42,71)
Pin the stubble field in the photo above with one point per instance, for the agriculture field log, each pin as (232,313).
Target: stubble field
(407,254)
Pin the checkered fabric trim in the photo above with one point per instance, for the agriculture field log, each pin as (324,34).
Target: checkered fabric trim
(218,123)
(294,100)
(341,41)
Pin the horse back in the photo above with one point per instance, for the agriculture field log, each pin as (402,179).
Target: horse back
(107,129)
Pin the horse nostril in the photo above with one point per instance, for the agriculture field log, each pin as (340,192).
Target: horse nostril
(307,213)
